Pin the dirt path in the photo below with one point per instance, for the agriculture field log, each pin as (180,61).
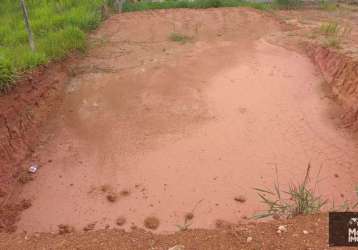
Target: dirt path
(166,128)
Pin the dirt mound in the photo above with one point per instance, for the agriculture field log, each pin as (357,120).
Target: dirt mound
(341,74)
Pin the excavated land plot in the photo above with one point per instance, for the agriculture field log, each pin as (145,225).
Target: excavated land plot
(146,126)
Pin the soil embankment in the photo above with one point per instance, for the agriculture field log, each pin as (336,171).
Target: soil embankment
(341,74)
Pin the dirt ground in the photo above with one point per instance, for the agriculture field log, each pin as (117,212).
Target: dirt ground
(309,232)
(143,126)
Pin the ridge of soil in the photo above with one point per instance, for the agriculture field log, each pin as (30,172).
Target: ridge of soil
(341,74)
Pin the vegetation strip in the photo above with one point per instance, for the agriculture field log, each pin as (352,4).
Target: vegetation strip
(58,27)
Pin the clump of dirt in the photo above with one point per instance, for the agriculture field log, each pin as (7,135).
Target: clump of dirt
(65,229)
(151,222)
(121,221)
(90,226)
(125,192)
(105,188)
(189,216)
(240,198)
(112,197)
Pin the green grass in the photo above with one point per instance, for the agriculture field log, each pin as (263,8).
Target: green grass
(196,4)
(287,4)
(298,199)
(6,75)
(180,38)
(59,26)
(327,5)
(330,28)
(334,33)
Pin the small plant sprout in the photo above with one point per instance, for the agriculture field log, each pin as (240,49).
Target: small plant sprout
(180,38)
(333,33)
(329,28)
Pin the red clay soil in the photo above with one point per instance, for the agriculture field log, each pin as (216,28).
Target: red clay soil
(144,127)
(341,74)
(338,66)
(304,232)
(22,113)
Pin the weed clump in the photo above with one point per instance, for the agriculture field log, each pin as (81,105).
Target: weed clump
(333,33)
(299,199)
(180,38)
(330,28)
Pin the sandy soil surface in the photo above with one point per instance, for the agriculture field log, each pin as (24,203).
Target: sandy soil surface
(154,127)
